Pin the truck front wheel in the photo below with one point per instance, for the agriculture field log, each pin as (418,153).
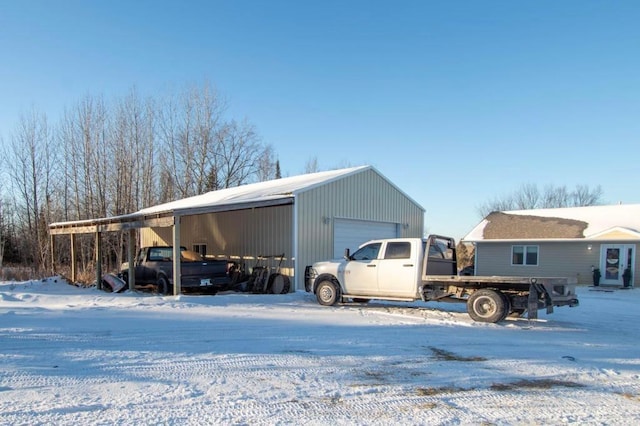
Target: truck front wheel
(487,306)
(163,285)
(327,293)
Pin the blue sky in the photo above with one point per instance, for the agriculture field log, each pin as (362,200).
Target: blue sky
(456,102)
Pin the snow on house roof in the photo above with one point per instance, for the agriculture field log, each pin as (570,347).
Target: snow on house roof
(255,193)
(559,223)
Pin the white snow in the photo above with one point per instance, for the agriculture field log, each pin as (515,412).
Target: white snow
(74,356)
(255,192)
(599,219)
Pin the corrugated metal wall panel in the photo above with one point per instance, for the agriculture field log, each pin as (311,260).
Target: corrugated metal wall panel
(363,196)
(239,235)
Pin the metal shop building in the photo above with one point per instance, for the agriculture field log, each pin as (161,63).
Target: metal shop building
(307,218)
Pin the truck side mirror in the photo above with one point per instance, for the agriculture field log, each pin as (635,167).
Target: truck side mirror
(347,254)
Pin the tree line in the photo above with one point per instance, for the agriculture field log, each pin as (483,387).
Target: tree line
(530,196)
(108,158)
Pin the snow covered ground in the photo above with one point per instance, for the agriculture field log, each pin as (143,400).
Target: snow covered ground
(70,355)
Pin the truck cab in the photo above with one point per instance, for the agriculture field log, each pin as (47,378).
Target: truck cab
(389,267)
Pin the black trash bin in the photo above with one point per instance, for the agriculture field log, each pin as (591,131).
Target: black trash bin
(626,277)
(596,277)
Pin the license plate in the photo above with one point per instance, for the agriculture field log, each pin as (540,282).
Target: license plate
(205,282)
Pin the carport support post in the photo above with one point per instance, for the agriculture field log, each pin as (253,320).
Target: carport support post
(176,256)
(130,259)
(73,258)
(52,243)
(98,261)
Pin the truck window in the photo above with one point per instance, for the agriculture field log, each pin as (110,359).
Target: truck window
(142,255)
(160,253)
(368,252)
(439,249)
(400,250)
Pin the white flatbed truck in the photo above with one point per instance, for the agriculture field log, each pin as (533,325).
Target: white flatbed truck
(411,269)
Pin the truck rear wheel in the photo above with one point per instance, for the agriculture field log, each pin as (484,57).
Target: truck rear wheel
(327,293)
(487,306)
(507,305)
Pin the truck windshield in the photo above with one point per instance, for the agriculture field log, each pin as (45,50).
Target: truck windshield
(368,252)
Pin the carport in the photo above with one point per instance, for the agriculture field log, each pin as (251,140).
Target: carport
(132,222)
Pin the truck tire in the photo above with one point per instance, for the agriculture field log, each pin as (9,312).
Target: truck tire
(163,285)
(327,293)
(507,305)
(278,284)
(486,305)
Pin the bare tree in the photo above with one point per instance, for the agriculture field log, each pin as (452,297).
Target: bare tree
(84,133)
(3,232)
(585,196)
(267,168)
(132,156)
(556,197)
(238,154)
(311,165)
(31,160)
(497,205)
(189,127)
(527,197)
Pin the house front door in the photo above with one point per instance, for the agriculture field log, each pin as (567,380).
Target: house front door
(614,259)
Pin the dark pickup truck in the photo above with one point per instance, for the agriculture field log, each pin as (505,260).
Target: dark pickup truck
(154,266)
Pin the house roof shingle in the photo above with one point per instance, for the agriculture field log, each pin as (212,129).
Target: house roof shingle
(560,223)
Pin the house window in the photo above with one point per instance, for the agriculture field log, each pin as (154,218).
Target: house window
(524,255)
(200,248)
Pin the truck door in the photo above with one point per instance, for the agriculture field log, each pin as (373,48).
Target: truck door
(361,272)
(141,269)
(398,270)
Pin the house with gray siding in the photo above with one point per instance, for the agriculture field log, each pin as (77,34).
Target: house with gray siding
(561,242)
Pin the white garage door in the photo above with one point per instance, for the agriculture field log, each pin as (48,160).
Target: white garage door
(351,233)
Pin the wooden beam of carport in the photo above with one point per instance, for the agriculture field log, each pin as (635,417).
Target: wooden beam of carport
(98,226)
